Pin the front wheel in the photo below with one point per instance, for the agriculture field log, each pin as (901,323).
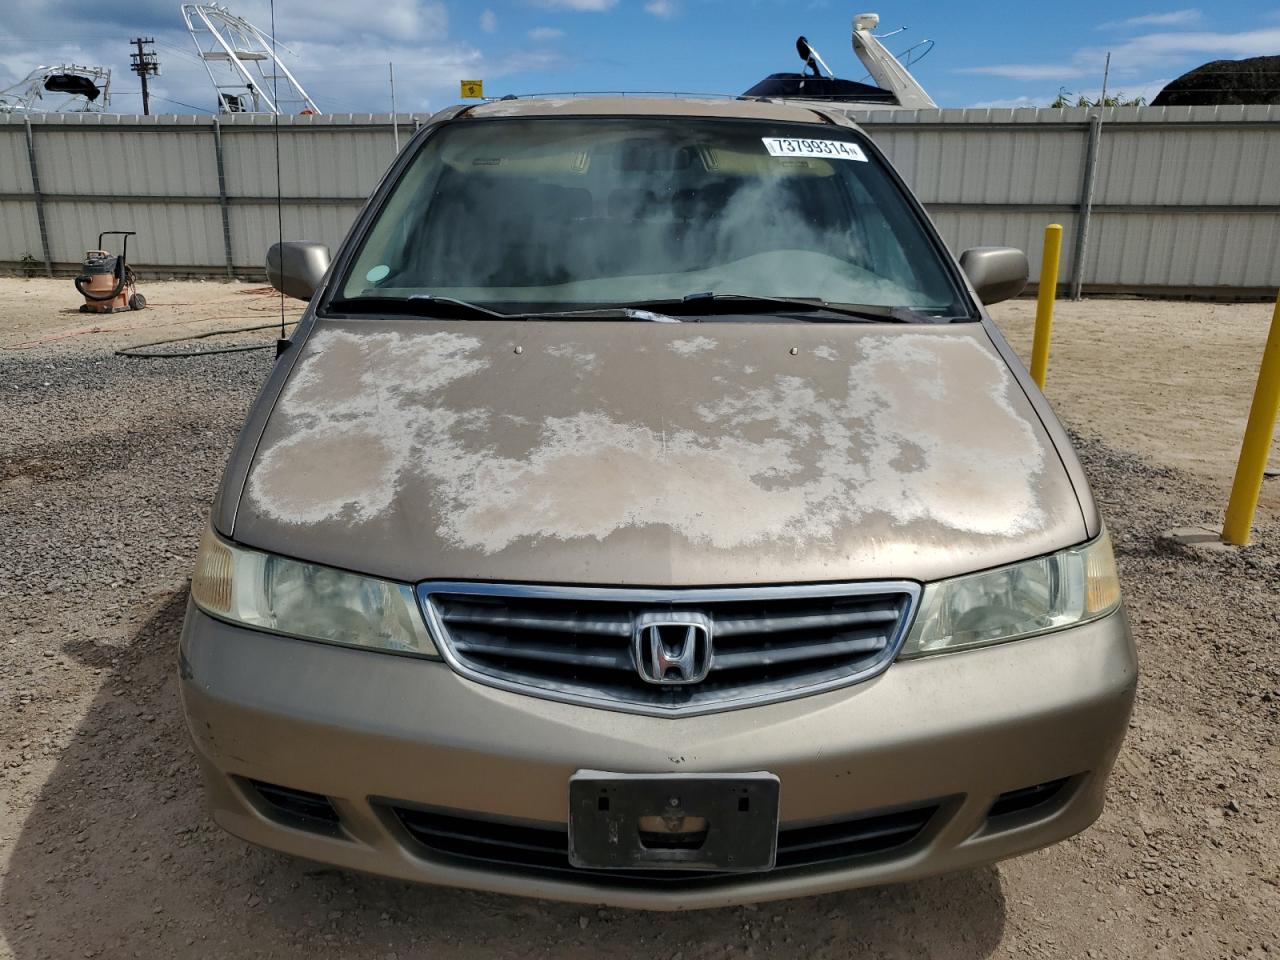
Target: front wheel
(137,302)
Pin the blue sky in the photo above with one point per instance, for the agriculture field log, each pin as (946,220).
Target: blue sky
(1005,55)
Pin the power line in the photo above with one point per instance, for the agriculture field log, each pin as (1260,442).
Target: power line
(178,51)
(156,96)
(190,106)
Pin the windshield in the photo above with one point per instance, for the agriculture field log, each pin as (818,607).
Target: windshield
(549,213)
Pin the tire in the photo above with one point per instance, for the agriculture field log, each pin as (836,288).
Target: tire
(85,308)
(137,302)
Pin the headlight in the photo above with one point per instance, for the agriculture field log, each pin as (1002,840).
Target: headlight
(305,600)
(1036,596)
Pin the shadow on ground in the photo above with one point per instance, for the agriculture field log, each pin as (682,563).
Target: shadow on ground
(118,859)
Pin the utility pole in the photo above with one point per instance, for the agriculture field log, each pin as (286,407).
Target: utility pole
(145,64)
(395,122)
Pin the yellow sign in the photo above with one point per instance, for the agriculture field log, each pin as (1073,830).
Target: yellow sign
(472,89)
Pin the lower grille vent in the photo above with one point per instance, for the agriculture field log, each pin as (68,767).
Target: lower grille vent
(545,850)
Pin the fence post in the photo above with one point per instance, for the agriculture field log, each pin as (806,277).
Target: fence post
(1086,203)
(1044,303)
(39,198)
(223,203)
(1257,441)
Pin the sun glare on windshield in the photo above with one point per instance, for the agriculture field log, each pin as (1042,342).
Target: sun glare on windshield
(569,212)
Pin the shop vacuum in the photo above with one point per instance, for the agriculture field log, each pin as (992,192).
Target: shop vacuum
(107,282)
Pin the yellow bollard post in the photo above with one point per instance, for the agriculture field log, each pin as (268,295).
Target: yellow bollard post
(1044,302)
(1257,441)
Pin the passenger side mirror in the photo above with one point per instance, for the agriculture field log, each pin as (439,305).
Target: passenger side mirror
(296,268)
(997,273)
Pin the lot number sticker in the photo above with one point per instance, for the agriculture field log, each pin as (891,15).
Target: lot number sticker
(828,149)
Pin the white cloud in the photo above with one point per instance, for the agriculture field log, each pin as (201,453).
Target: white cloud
(1156,46)
(1174,18)
(338,51)
(591,6)
(666,9)
(341,20)
(1027,71)
(1145,53)
(488,21)
(543,34)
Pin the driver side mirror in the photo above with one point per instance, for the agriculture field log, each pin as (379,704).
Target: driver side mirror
(997,273)
(296,268)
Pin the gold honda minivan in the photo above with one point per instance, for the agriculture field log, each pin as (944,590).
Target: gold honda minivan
(646,512)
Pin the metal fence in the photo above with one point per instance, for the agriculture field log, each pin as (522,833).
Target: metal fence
(1167,200)
(1158,200)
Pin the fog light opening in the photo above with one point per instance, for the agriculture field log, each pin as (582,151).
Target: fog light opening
(1014,807)
(300,809)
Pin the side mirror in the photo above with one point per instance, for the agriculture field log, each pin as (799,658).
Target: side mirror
(997,273)
(296,269)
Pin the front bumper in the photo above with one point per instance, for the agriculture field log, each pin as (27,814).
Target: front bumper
(955,731)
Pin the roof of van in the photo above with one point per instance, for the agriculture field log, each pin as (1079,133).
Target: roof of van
(649,105)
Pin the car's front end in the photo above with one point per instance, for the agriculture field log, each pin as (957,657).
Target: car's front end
(401,766)
(675,604)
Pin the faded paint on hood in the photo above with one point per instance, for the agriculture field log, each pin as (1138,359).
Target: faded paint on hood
(657,454)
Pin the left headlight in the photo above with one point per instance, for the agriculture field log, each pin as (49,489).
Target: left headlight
(266,592)
(1033,597)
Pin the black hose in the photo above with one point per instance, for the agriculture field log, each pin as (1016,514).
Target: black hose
(139,351)
(122,278)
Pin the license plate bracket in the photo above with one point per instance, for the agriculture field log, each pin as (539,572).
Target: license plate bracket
(722,822)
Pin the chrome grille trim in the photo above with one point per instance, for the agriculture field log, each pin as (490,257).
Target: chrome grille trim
(874,631)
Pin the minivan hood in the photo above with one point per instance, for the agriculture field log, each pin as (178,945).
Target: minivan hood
(654,454)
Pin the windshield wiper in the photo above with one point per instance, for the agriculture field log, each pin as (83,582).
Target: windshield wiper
(656,311)
(421,305)
(708,304)
(428,305)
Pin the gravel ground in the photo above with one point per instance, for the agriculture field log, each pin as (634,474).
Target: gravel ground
(107,467)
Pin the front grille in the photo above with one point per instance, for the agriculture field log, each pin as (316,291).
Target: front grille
(545,849)
(578,644)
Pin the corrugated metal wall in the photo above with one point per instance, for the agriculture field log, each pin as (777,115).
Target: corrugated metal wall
(19,228)
(189,186)
(1185,199)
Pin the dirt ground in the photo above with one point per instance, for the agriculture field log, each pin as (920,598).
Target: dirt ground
(1169,381)
(107,467)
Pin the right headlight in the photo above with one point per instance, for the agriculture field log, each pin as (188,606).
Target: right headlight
(1036,596)
(306,600)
